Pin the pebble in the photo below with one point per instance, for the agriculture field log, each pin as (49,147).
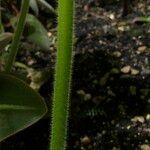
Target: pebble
(142,49)
(115,148)
(87,97)
(112,16)
(145,147)
(126,69)
(134,71)
(117,54)
(145,71)
(85,140)
(148,117)
(80,92)
(121,28)
(138,119)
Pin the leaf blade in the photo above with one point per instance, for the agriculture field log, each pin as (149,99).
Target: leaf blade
(20,106)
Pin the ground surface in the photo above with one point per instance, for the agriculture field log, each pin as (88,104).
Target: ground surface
(114,75)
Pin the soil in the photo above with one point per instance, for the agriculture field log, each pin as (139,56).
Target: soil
(110,73)
(110,102)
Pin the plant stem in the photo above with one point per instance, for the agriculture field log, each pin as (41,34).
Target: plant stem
(60,110)
(17,35)
(1,25)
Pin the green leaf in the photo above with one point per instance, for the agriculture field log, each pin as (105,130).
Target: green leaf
(20,106)
(34,6)
(37,33)
(34,32)
(46,6)
(141,20)
(5,38)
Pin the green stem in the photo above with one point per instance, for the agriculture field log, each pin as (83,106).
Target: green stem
(18,33)
(60,110)
(1,25)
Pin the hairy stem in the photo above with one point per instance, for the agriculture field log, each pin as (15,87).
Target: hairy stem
(17,35)
(60,110)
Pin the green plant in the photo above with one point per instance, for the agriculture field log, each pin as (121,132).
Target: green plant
(34,6)
(20,105)
(22,109)
(16,39)
(34,29)
(1,26)
(63,75)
